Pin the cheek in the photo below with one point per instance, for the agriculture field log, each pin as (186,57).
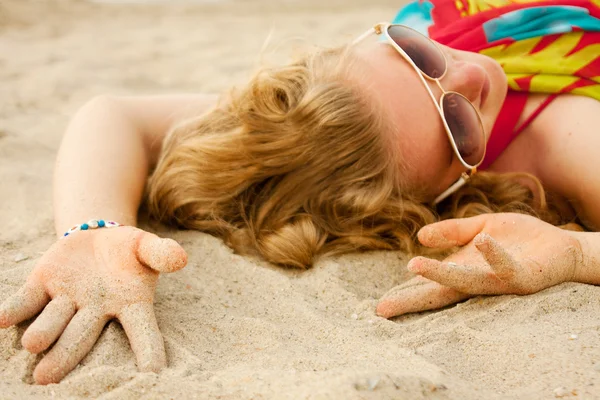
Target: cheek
(427,158)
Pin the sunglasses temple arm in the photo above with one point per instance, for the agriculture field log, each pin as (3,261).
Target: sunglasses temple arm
(455,186)
(363,36)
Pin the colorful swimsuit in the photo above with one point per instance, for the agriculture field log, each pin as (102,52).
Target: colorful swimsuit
(543,46)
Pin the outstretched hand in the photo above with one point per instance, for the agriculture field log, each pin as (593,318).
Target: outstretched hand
(501,254)
(81,283)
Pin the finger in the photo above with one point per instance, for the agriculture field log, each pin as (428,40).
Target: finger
(418,294)
(503,264)
(572,226)
(451,232)
(139,322)
(48,326)
(163,255)
(464,278)
(29,300)
(76,341)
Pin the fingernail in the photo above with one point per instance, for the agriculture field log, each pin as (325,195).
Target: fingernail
(482,239)
(385,309)
(415,264)
(430,235)
(433,237)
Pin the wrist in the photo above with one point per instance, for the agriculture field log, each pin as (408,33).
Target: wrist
(91,225)
(63,223)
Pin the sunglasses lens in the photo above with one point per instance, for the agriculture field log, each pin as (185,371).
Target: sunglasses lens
(421,50)
(465,126)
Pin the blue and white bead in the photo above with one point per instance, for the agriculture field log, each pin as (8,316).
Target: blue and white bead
(92,224)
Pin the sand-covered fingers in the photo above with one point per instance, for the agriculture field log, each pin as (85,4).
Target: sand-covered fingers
(451,232)
(48,326)
(139,323)
(163,255)
(74,344)
(415,295)
(465,278)
(24,304)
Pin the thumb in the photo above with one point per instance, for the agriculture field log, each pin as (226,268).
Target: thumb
(162,255)
(451,232)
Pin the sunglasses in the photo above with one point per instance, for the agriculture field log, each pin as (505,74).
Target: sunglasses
(461,119)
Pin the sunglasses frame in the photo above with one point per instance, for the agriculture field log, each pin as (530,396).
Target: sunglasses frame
(382,29)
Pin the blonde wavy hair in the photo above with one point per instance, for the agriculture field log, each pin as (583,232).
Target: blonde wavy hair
(296,165)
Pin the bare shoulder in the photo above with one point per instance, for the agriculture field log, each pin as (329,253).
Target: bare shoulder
(567,133)
(566,122)
(567,138)
(562,148)
(571,113)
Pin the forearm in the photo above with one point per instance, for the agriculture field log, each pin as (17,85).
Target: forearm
(588,270)
(101,168)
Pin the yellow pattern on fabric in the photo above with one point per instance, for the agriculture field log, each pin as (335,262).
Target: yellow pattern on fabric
(507,52)
(559,49)
(551,83)
(512,80)
(591,91)
(547,77)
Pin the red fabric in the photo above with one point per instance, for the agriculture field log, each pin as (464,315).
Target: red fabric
(452,29)
(505,130)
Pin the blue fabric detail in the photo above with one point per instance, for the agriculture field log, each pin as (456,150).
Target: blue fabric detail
(417,15)
(539,21)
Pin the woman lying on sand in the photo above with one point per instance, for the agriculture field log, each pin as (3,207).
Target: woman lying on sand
(361,147)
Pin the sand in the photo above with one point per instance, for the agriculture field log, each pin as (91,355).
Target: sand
(235,327)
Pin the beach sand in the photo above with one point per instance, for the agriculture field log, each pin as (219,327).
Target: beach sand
(235,327)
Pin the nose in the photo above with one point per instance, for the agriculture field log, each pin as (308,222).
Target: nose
(466,78)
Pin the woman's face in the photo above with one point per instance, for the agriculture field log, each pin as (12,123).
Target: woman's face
(424,151)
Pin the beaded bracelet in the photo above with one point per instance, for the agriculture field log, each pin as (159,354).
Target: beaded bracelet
(92,224)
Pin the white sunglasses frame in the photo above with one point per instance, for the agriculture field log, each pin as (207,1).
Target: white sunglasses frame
(382,29)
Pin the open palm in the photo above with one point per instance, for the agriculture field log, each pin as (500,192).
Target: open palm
(501,254)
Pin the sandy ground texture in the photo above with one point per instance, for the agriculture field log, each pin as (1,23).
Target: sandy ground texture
(237,328)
